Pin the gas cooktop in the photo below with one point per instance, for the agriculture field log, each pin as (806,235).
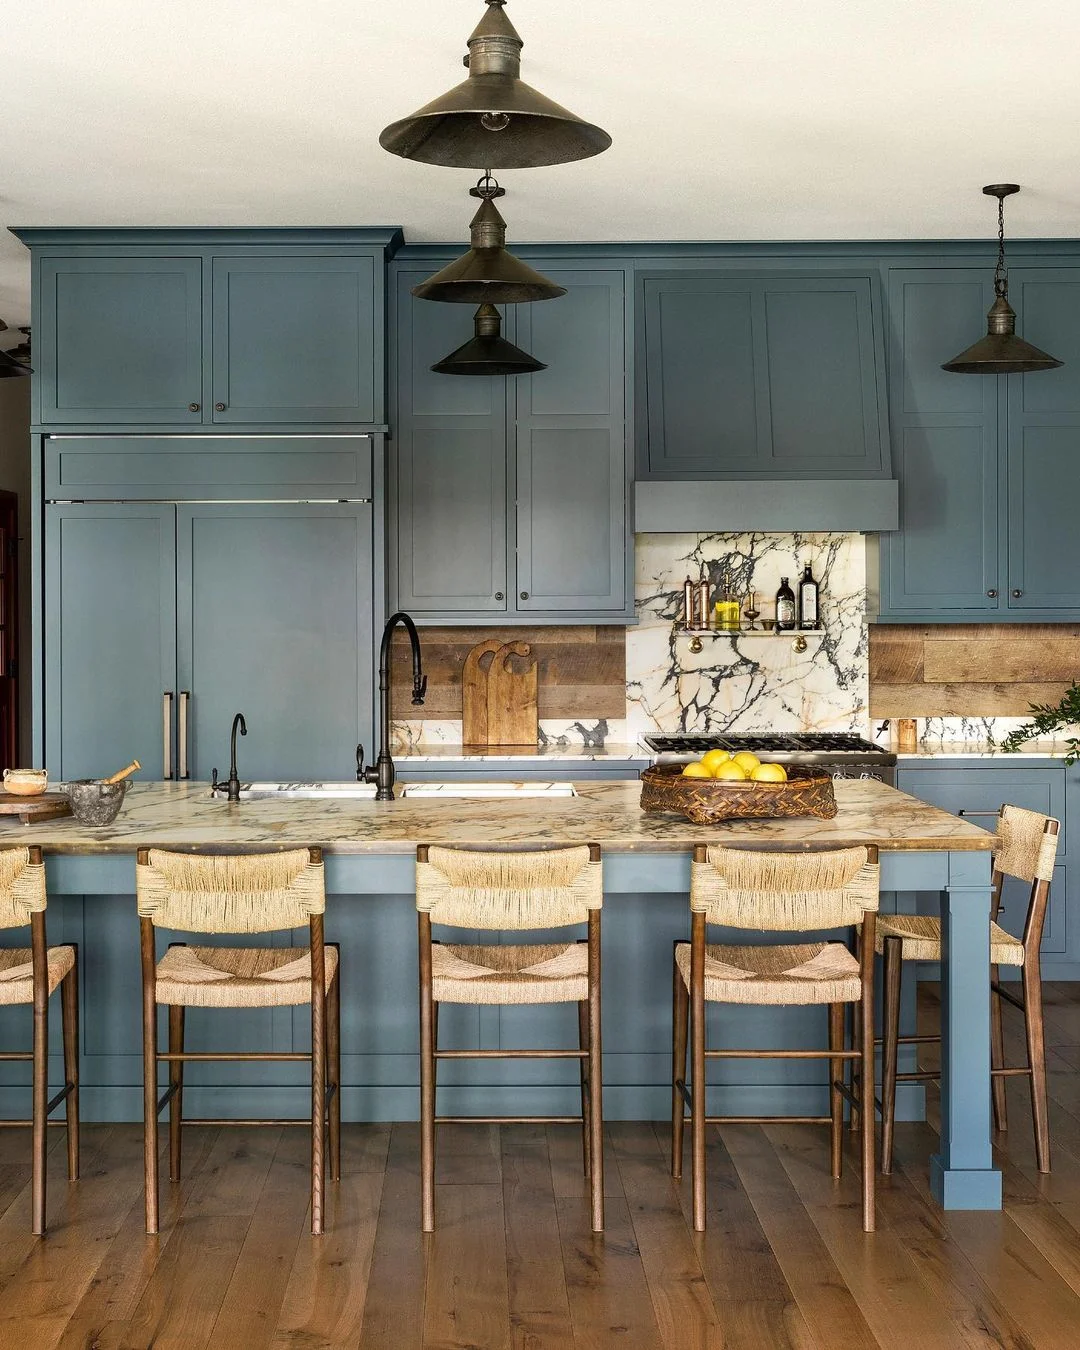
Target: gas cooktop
(792,747)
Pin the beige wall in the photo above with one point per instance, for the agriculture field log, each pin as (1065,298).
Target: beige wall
(15,477)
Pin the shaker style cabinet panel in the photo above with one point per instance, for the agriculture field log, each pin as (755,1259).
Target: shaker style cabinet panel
(110,637)
(274,621)
(119,340)
(760,374)
(293,339)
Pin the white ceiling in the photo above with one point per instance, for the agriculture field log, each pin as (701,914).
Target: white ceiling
(767,119)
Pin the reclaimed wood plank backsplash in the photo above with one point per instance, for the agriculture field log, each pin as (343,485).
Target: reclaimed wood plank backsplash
(970,670)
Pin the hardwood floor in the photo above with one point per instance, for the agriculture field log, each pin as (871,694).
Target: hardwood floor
(784,1264)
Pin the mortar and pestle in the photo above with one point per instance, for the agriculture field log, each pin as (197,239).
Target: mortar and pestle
(97,801)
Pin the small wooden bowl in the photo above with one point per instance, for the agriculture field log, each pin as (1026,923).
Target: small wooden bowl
(705,801)
(25,782)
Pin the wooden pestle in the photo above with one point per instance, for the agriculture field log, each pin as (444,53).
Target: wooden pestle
(124,773)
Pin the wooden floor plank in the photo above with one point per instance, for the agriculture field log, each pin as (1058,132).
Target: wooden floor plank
(466,1304)
(536,1282)
(394,1309)
(568,1164)
(610,1303)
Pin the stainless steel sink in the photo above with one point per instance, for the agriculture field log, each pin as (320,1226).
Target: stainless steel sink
(486,791)
(292,792)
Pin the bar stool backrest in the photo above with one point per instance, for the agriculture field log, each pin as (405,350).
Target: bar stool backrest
(1027,844)
(549,888)
(784,892)
(255,893)
(22,886)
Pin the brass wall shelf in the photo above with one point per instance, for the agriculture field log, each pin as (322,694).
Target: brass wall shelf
(800,639)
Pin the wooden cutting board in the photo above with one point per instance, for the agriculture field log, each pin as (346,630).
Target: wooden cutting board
(48,806)
(498,695)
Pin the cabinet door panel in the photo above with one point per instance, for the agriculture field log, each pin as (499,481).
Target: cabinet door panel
(294,339)
(110,640)
(122,340)
(275,622)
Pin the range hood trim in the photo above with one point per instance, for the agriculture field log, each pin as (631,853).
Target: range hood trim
(776,506)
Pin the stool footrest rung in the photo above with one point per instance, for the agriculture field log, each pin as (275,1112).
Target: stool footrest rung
(507,1120)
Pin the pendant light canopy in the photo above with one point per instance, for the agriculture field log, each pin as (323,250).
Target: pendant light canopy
(493,120)
(488,274)
(1001,352)
(488,352)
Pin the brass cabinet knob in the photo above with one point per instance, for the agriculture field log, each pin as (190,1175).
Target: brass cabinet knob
(992,594)
(194,407)
(219,407)
(524,595)
(1017,594)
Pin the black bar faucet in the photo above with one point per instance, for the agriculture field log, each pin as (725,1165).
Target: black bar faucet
(382,771)
(233,785)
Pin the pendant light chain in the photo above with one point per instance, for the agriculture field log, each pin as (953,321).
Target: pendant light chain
(1001,272)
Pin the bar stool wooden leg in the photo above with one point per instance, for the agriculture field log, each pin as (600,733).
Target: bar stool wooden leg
(680,1017)
(150,1158)
(583,1045)
(836,1077)
(176,1081)
(427,1081)
(866,1071)
(69,1018)
(1033,1030)
(892,971)
(856,1044)
(697,1069)
(40,1093)
(333,1066)
(596,1105)
(997,1054)
(318,1086)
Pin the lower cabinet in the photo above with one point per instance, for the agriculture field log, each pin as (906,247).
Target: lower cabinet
(163,621)
(976,790)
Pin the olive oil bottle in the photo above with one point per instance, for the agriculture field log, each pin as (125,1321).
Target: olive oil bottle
(785,607)
(809,600)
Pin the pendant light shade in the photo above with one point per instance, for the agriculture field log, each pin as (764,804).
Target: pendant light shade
(488,274)
(1001,352)
(12,363)
(493,120)
(488,352)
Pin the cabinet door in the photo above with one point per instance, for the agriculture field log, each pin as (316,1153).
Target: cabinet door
(944,558)
(121,340)
(110,637)
(448,468)
(294,339)
(571,457)
(275,622)
(1043,446)
(759,375)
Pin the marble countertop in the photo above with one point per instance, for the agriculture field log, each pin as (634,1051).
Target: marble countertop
(984,750)
(183,816)
(611,753)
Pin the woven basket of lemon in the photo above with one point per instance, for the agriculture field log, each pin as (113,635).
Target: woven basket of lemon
(721,786)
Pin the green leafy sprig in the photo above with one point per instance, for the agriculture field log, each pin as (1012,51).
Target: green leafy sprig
(1046,718)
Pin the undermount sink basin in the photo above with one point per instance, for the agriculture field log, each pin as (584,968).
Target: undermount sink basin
(291,792)
(442,791)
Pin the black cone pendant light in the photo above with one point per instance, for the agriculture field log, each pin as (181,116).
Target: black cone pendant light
(488,274)
(493,120)
(488,352)
(11,363)
(1001,352)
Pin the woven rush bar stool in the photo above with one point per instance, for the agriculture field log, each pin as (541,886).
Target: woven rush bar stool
(1026,850)
(776,892)
(30,975)
(511,891)
(253,893)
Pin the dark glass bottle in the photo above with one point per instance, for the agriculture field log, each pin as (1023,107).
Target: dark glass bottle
(785,607)
(809,600)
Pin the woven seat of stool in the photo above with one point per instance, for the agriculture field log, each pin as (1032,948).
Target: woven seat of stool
(17,972)
(802,973)
(921,939)
(238,977)
(548,973)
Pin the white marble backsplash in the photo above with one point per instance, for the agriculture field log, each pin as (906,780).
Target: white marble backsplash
(935,732)
(739,681)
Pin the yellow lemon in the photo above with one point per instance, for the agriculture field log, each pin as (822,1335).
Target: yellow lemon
(712,759)
(731,771)
(695,769)
(769,773)
(746,759)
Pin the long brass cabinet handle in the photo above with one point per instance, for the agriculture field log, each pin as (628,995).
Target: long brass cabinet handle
(166,733)
(182,733)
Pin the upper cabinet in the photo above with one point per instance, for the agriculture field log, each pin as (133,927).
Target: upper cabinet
(755,374)
(509,495)
(193,329)
(985,463)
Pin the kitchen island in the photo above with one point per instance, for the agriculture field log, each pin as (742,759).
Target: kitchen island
(369,849)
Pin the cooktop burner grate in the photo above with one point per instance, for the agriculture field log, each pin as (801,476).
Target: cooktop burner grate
(771,742)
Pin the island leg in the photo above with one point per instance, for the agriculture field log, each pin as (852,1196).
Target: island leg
(962,1174)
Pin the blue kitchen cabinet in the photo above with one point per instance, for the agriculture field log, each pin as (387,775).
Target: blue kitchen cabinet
(119,340)
(509,495)
(755,374)
(978,790)
(168,619)
(294,339)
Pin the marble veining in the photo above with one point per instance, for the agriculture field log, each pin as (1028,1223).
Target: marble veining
(184,816)
(745,683)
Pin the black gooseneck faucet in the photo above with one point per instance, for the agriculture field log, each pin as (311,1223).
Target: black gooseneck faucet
(232,787)
(382,771)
